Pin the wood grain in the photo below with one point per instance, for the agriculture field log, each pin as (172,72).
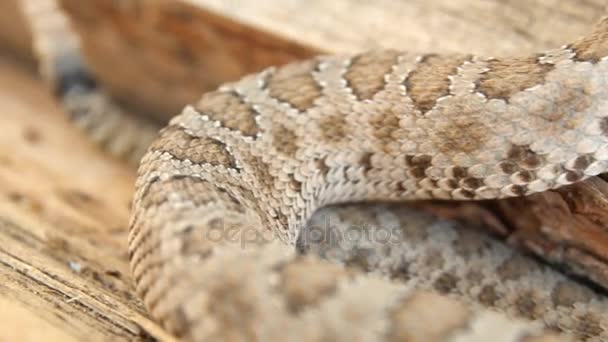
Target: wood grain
(63,263)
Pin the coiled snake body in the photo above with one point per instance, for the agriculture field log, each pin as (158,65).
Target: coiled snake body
(224,191)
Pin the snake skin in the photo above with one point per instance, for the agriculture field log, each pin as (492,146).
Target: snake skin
(259,156)
(224,195)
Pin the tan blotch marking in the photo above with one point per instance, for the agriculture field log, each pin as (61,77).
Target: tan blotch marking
(465,193)
(434,260)
(460,129)
(384,124)
(195,241)
(527,304)
(231,299)
(332,127)
(418,164)
(458,172)
(250,200)
(582,162)
(262,172)
(589,326)
(574,176)
(513,268)
(229,109)
(471,183)
(177,323)
(508,167)
(446,283)
(518,190)
(294,184)
(198,191)
(469,245)
(366,161)
(294,84)
(594,46)
(412,232)
(284,140)
(448,184)
(523,156)
(474,276)
(604,126)
(567,293)
(430,80)
(418,320)
(402,272)
(509,76)
(566,108)
(365,75)
(322,167)
(488,296)
(360,260)
(524,176)
(305,282)
(200,150)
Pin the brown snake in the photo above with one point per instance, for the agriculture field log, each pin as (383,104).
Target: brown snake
(224,193)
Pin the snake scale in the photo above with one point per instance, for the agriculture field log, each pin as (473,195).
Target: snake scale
(226,191)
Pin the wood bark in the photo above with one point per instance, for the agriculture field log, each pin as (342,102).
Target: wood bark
(64,205)
(15,37)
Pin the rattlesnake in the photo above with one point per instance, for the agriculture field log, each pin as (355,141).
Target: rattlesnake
(223,193)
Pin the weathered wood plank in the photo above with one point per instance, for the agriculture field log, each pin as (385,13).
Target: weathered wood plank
(480,27)
(64,210)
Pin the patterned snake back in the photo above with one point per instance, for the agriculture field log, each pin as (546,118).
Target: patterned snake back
(259,156)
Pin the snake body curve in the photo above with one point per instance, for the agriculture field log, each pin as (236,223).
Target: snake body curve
(267,151)
(224,191)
